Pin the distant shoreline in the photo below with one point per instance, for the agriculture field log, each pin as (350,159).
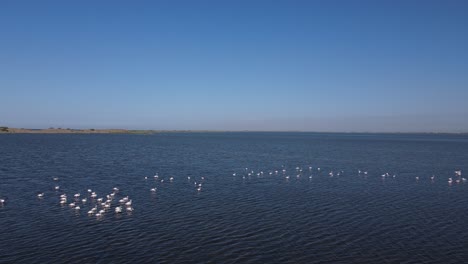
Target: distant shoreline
(4,130)
(9,130)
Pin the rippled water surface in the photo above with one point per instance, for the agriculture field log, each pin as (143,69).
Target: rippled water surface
(249,217)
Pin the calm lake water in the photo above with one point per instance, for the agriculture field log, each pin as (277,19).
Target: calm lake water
(312,217)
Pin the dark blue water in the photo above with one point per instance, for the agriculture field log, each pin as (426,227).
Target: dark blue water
(257,218)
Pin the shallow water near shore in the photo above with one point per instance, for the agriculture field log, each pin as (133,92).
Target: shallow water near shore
(258,215)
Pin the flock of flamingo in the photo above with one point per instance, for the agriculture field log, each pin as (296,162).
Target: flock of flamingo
(98,205)
(114,201)
(299,173)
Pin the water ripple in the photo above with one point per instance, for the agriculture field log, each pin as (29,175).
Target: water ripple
(347,218)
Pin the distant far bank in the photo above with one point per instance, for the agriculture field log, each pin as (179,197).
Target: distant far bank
(9,130)
(51,130)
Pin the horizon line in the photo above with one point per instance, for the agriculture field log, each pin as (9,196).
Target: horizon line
(59,130)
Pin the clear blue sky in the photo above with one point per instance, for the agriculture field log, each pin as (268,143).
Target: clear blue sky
(235,65)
